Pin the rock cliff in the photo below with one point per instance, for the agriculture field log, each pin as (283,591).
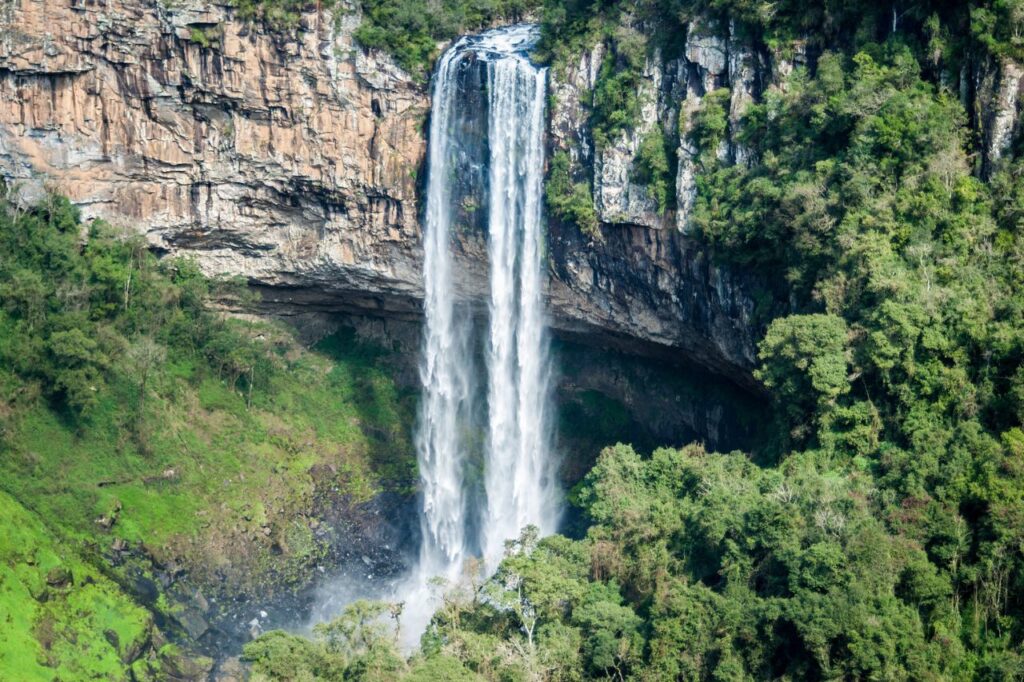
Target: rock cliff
(294,158)
(289,158)
(645,277)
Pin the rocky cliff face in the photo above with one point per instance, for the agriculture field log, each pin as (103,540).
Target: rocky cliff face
(287,158)
(996,95)
(293,160)
(714,57)
(645,273)
(670,93)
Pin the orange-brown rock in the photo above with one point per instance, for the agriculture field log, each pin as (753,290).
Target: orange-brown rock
(219,137)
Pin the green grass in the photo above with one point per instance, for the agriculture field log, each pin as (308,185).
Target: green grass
(52,632)
(214,471)
(133,417)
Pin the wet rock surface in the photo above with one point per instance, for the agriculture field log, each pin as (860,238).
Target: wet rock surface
(213,619)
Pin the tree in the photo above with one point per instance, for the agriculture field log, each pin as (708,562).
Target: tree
(143,357)
(613,641)
(25,295)
(804,363)
(76,367)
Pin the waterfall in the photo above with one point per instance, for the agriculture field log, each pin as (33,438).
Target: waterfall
(519,481)
(445,369)
(503,170)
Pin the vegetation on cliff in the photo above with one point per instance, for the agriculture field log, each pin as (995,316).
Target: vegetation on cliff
(570,201)
(140,429)
(279,15)
(943,37)
(410,30)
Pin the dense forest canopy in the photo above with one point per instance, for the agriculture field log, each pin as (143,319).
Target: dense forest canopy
(880,534)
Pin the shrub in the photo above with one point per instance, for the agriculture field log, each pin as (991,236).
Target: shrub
(616,104)
(570,201)
(409,30)
(652,167)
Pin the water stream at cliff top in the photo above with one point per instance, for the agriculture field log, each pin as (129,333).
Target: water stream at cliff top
(519,485)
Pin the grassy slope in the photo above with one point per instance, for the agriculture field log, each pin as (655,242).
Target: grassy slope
(136,425)
(217,473)
(222,489)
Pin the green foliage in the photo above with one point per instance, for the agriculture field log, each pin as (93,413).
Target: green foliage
(997,25)
(359,645)
(205,439)
(440,667)
(653,168)
(939,34)
(570,201)
(944,31)
(280,15)
(410,30)
(842,156)
(710,125)
(205,37)
(278,655)
(701,566)
(803,362)
(616,105)
(862,205)
(59,616)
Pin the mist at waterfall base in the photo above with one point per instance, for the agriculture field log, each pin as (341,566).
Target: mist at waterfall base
(484,432)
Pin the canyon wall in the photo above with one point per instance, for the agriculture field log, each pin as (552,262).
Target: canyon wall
(294,159)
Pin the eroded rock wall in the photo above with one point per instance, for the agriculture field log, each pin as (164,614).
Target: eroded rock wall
(998,103)
(293,159)
(289,158)
(645,271)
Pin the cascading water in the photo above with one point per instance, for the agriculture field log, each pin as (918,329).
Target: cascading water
(445,368)
(519,481)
